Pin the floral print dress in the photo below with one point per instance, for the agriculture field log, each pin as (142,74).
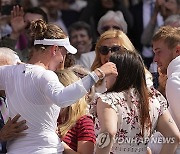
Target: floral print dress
(128,138)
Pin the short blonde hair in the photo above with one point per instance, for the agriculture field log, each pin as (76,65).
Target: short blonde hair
(170,35)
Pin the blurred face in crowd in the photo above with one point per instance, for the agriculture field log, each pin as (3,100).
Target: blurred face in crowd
(52,6)
(171,7)
(28,18)
(6,2)
(112,43)
(64,4)
(81,40)
(107,3)
(111,24)
(162,55)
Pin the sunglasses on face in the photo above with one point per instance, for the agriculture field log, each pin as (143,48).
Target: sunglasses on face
(104,50)
(106,28)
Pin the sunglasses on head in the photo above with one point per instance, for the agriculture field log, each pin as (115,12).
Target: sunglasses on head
(104,50)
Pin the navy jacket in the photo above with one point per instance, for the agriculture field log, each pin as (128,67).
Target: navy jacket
(2,144)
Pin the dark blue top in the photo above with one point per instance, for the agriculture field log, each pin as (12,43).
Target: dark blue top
(2,144)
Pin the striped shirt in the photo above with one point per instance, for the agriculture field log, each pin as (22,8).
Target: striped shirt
(82,131)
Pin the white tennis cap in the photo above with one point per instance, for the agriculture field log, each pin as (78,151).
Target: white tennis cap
(59,42)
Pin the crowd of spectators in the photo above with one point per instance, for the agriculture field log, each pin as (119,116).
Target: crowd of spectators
(98,29)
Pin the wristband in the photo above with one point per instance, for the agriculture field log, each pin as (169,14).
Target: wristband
(102,73)
(94,76)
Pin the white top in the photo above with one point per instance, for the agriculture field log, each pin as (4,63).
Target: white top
(86,59)
(173,89)
(37,95)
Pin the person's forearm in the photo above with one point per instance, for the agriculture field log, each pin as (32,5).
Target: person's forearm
(148,31)
(147,34)
(169,148)
(14,35)
(153,19)
(68,150)
(1,137)
(73,92)
(65,96)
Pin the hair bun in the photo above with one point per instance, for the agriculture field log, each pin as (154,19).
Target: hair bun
(38,28)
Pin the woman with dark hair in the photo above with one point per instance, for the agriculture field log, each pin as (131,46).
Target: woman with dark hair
(130,111)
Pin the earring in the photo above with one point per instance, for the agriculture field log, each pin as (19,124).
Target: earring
(43,48)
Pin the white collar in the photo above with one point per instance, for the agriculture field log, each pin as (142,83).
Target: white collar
(174,66)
